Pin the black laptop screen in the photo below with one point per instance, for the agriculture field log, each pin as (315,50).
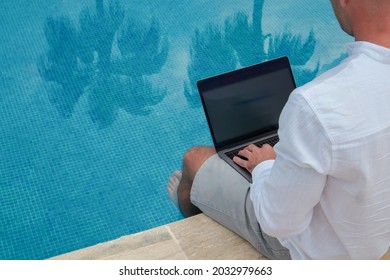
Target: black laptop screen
(246,103)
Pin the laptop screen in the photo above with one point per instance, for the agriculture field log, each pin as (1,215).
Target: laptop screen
(246,103)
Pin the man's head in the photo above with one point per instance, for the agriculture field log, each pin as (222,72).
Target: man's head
(366,20)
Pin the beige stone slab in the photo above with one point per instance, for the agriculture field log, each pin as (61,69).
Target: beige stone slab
(194,238)
(152,244)
(202,238)
(165,250)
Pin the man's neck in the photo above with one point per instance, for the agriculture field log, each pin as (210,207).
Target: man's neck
(371,21)
(383,41)
(375,33)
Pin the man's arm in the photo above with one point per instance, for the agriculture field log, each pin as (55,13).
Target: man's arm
(285,190)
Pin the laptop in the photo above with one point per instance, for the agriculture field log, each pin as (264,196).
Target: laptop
(243,106)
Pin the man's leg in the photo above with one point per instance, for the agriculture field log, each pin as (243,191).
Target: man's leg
(180,183)
(209,185)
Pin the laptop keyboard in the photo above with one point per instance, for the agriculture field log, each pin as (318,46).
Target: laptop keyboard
(271,141)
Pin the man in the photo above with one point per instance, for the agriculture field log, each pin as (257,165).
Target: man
(324,192)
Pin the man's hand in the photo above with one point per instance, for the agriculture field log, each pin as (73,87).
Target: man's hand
(254,155)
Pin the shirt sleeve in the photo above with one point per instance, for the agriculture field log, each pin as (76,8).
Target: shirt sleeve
(285,191)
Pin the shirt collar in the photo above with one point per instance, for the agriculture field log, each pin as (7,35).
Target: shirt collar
(374,51)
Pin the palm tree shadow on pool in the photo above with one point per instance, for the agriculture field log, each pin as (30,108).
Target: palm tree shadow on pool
(241,42)
(106,57)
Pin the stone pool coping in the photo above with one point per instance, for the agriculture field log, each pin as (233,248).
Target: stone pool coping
(195,238)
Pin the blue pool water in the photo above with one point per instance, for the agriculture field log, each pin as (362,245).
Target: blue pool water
(98,104)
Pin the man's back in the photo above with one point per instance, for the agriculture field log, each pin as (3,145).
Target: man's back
(352,105)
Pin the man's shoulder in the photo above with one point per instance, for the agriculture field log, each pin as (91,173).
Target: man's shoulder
(329,80)
(329,86)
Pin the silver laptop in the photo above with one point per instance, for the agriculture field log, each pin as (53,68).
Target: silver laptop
(243,106)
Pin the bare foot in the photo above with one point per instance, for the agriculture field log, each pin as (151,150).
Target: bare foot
(173,184)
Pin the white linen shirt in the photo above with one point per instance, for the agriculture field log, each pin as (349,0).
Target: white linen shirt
(327,193)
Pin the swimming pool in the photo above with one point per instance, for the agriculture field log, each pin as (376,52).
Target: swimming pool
(98,105)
